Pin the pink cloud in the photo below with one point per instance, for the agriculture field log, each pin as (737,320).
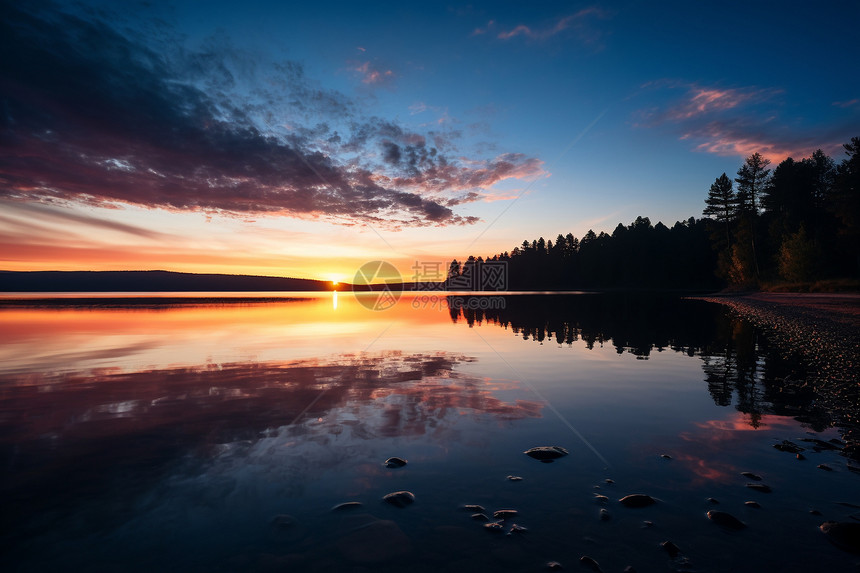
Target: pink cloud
(699,101)
(740,140)
(707,100)
(848,103)
(574,21)
(479,31)
(736,122)
(371,75)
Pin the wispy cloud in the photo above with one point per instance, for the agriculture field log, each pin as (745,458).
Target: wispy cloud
(372,75)
(119,122)
(735,121)
(52,215)
(847,103)
(700,101)
(580,24)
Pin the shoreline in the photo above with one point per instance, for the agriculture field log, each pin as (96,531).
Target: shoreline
(824,328)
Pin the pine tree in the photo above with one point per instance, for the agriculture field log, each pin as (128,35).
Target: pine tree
(722,203)
(752,180)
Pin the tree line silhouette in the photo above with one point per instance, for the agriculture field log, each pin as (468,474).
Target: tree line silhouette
(799,222)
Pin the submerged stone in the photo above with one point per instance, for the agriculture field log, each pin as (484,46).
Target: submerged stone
(726,520)
(480,517)
(824,467)
(517,529)
(670,548)
(395,462)
(666,456)
(600,498)
(554,566)
(590,563)
(752,476)
(604,514)
(283,521)
(377,541)
(399,498)
(514,478)
(754,504)
(787,446)
(505,513)
(494,526)
(845,536)
(637,500)
(474,508)
(821,444)
(347,505)
(711,500)
(546,453)
(760,487)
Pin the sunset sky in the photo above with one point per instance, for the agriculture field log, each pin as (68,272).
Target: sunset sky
(304,139)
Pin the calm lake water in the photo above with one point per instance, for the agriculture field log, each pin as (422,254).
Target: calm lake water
(218,436)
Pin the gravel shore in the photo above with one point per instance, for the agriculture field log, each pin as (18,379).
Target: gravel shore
(825,330)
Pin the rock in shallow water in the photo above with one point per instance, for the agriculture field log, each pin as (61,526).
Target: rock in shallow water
(726,520)
(399,498)
(376,541)
(670,548)
(283,521)
(637,500)
(760,487)
(505,513)
(787,446)
(395,462)
(495,527)
(544,453)
(845,536)
(752,476)
(590,563)
(347,505)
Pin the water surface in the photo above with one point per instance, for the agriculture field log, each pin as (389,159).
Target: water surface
(218,435)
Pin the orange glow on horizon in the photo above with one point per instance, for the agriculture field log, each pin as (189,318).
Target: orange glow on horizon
(28,258)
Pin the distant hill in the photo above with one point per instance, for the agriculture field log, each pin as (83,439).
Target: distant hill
(149,281)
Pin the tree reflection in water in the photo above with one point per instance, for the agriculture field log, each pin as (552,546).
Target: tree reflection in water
(741,366)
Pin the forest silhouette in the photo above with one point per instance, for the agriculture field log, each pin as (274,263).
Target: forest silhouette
(796,223)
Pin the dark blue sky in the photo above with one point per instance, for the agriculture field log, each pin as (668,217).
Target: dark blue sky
(395,131)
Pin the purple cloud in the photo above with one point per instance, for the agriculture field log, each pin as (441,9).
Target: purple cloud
(93,115)
(737,121)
